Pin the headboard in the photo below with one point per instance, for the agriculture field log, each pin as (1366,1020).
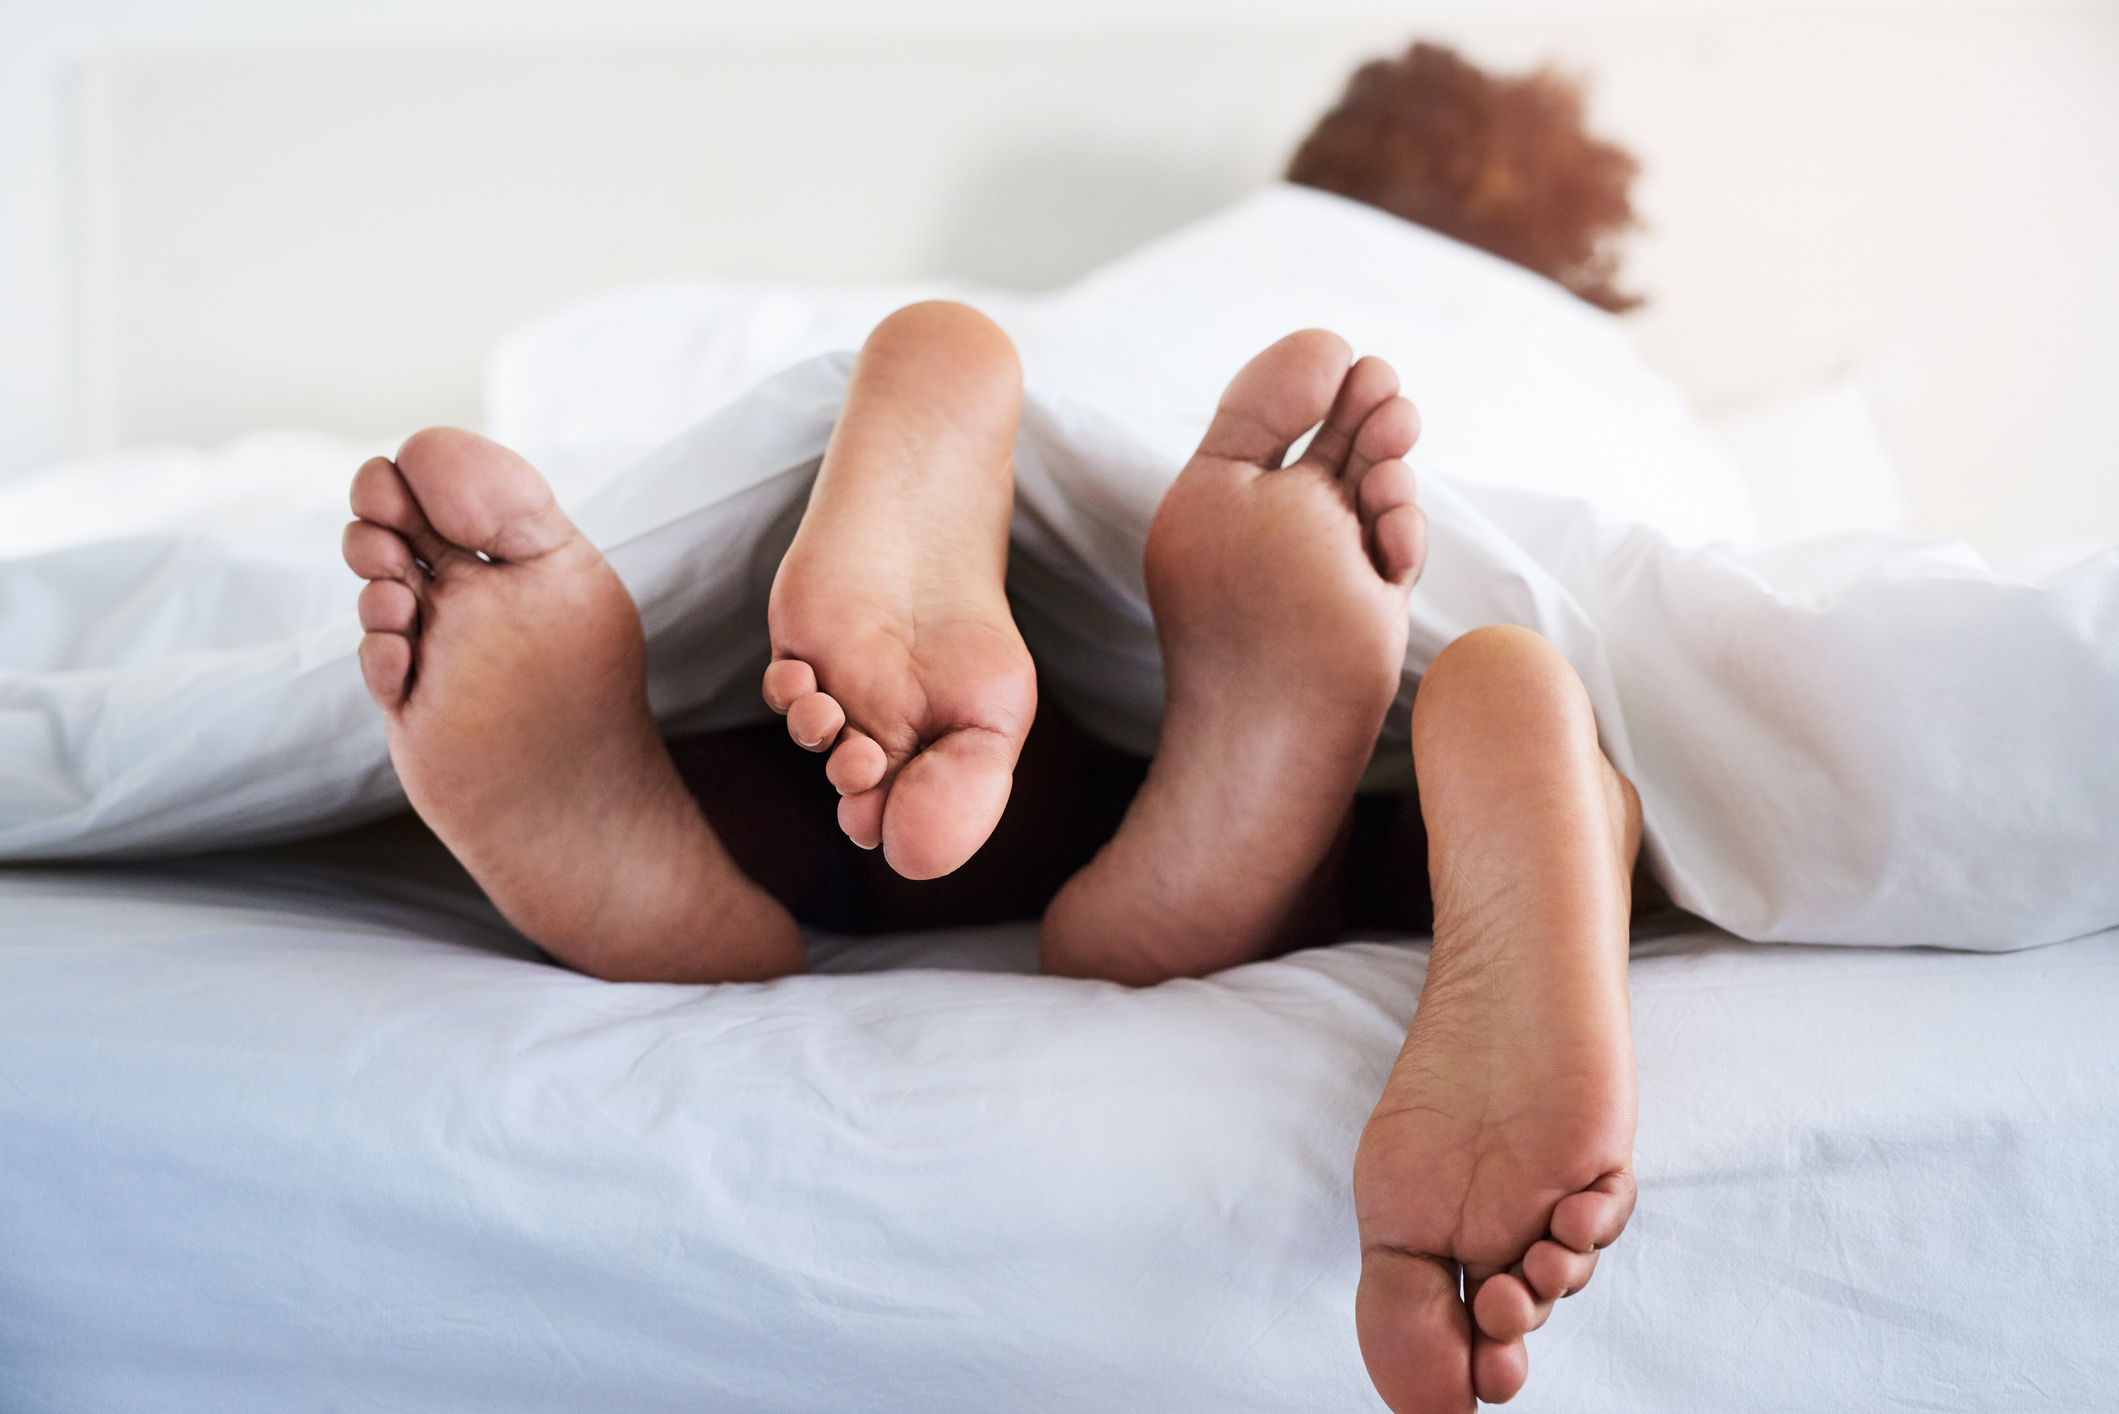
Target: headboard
(331,239)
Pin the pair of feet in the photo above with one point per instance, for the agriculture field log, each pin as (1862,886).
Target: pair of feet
(1279,597)
(508,660)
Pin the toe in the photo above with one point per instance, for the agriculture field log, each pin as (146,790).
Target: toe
(389,606)
(1387,435)
(1499,1369)
(478,494)
(1554,1271)
(1416,1337)
(946,801)
(1368,386)
(1276,397)
(1398,544)
(375,553)
(1504,1308)
(786,680)
(382,498)
(1392,522)
(386,666)
(814,721)
(1386,486)
(857,767)
(1595,1217)
(861,817)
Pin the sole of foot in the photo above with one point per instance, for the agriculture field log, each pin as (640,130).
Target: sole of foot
(1279,594)
(508,661)
(893,646)
(1501,1151)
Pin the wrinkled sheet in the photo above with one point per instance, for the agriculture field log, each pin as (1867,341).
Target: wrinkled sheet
(296,1134)
(1865,739)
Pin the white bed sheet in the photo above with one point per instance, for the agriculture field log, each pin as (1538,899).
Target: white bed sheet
(293,1133)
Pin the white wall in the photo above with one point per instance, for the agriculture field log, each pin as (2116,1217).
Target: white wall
(43,393)
(1927,200)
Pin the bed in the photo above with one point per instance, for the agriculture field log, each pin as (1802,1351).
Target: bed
(313,1130)
(305,1125)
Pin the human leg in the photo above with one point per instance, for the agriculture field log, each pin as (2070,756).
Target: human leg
(1279,597)
(1502,1146)
(893,645)
(508,661)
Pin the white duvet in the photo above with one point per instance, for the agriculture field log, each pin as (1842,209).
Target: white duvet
(1860,740)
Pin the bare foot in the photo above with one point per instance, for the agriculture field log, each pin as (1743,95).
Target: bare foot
(507,658)
(1280,601)
(1503,1144)
(893,645)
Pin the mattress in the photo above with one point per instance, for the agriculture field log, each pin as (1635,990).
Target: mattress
(312,1129)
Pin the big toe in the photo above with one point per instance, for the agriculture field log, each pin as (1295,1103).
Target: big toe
(946,802)
(482,496)
(1276,397)
(1416,1336)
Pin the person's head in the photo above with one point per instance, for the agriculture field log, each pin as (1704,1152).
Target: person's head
(1501,163)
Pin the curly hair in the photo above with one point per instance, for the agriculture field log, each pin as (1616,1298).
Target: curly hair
(1501,163)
